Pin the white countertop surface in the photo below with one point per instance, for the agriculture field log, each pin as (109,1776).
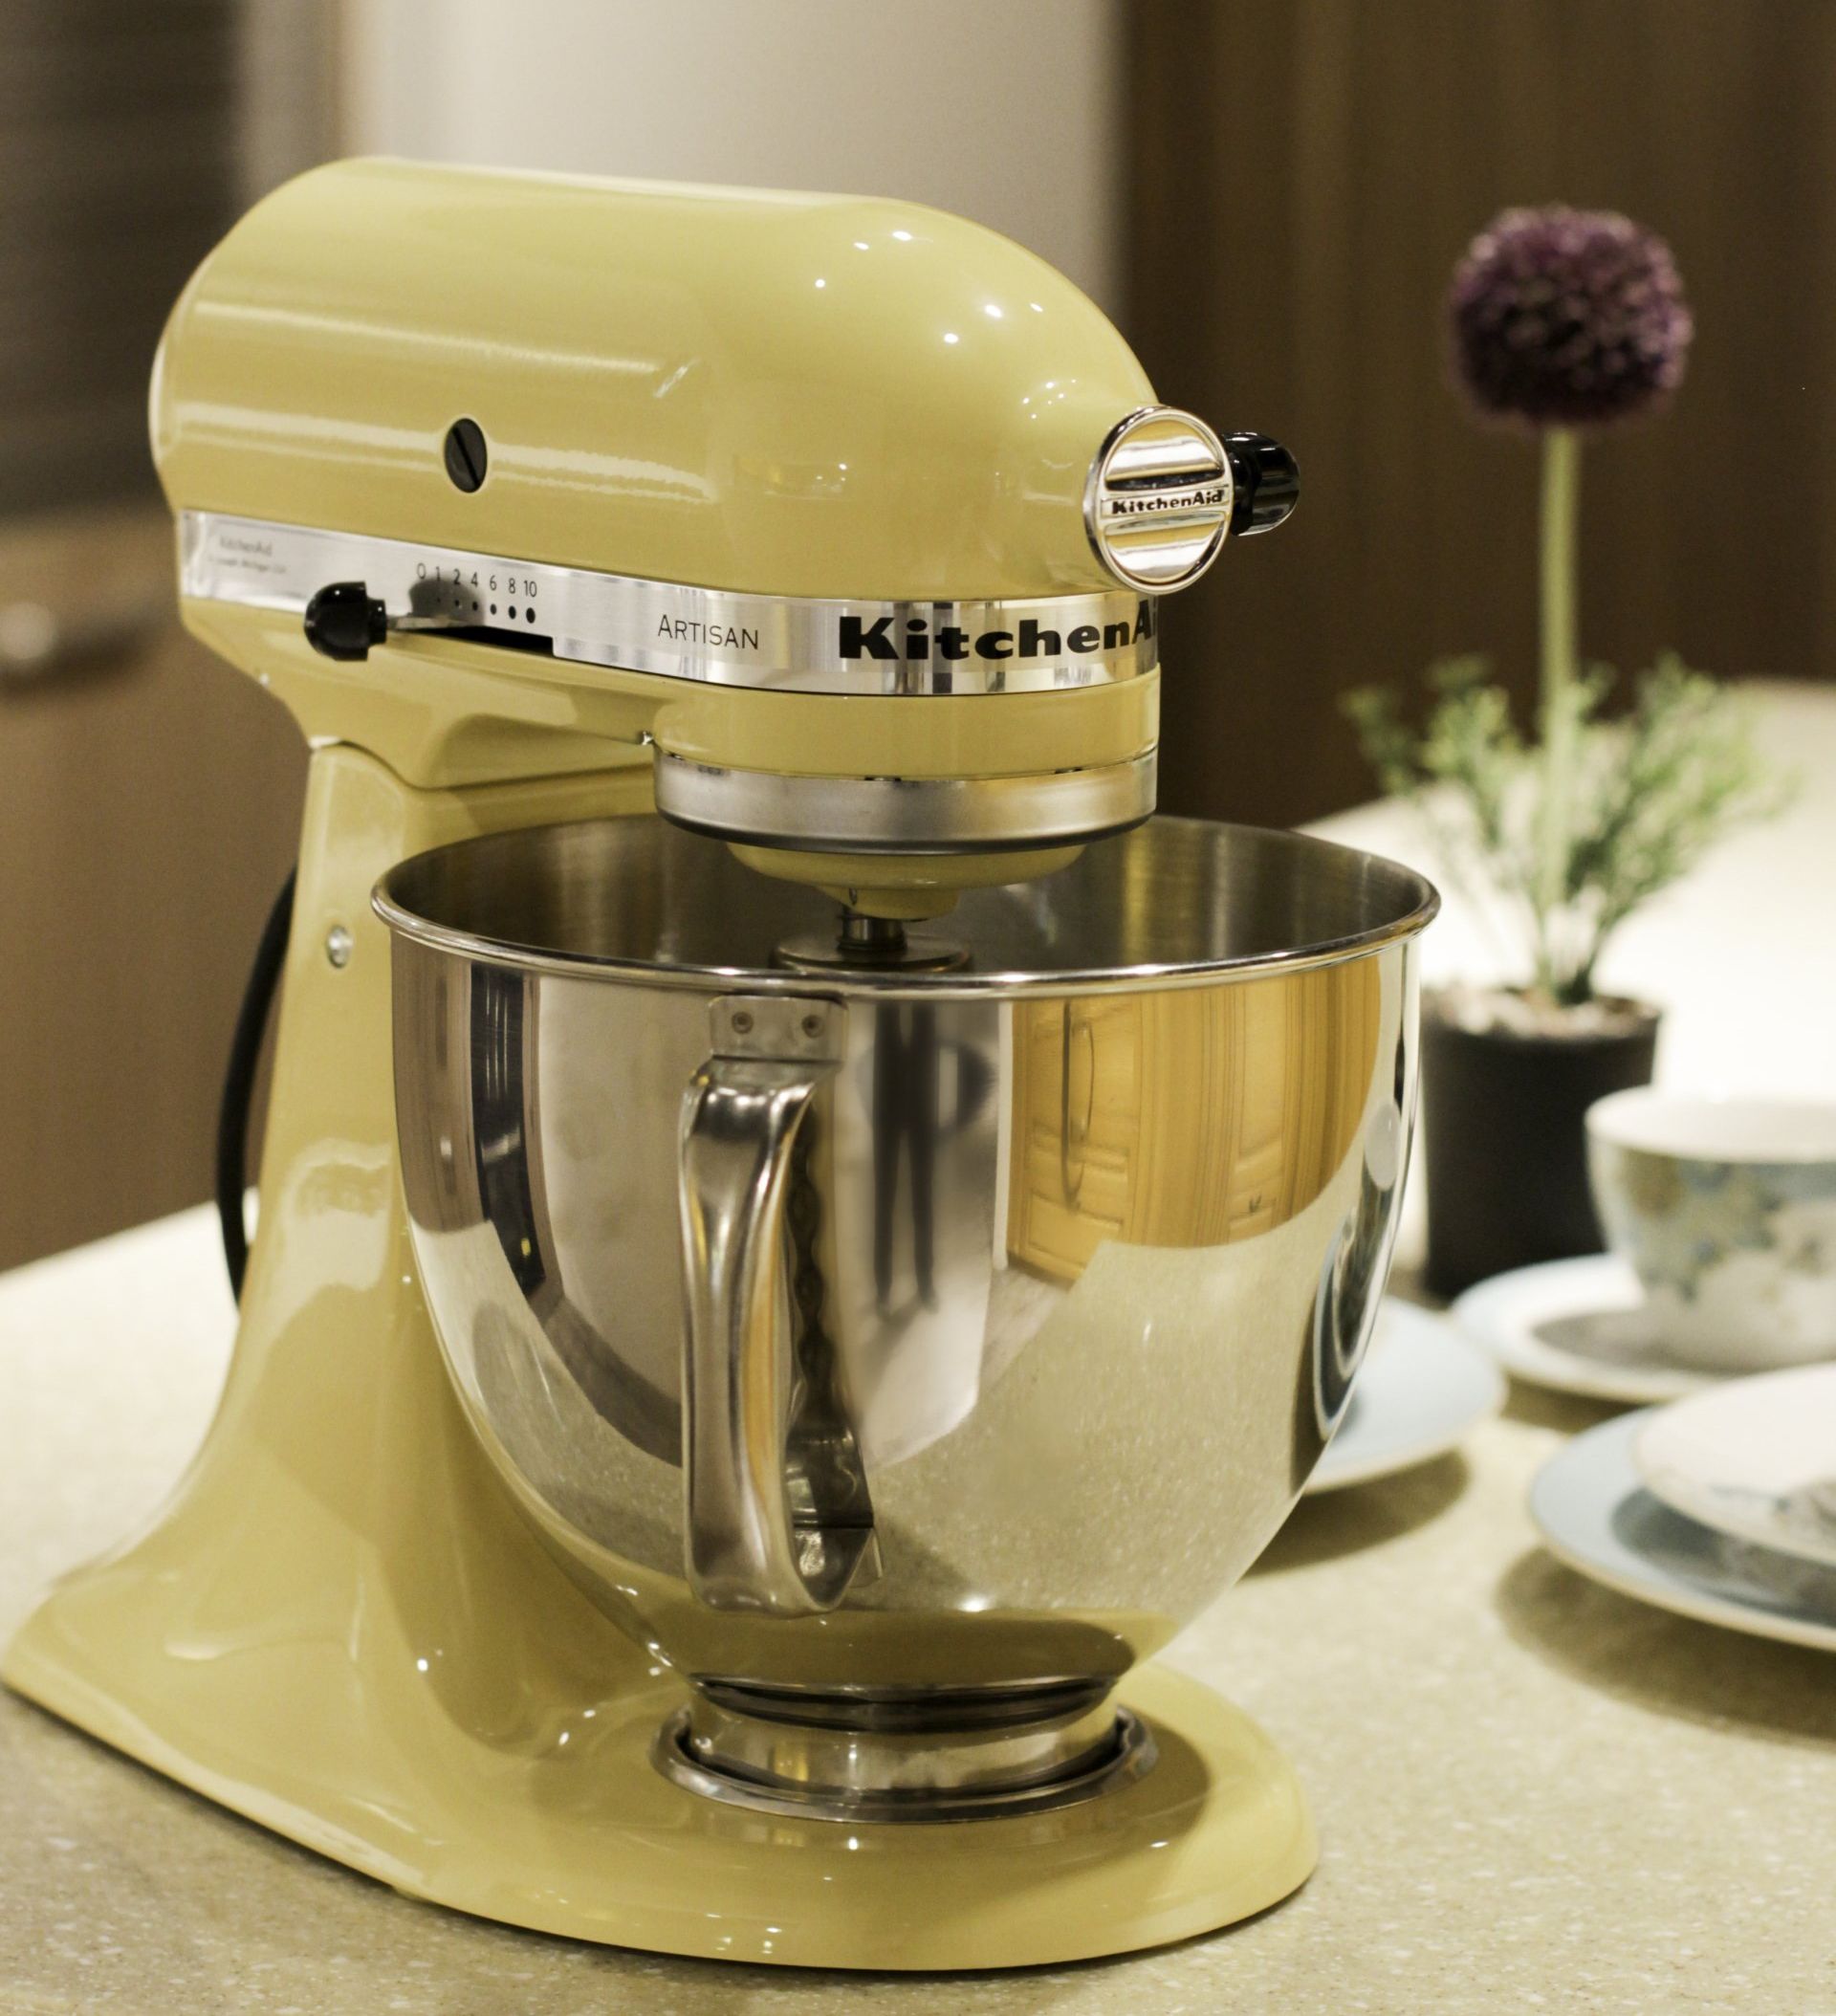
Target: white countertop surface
(1532,1793)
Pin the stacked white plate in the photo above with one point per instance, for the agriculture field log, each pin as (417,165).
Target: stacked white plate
(1423,1387)
(1722,1505)
(1577,1326)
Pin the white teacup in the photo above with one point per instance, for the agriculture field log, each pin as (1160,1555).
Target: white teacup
(1727,1210)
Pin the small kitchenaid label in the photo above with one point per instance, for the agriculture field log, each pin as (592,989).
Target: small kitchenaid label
(1148,503)
(1158,499)
(245,554)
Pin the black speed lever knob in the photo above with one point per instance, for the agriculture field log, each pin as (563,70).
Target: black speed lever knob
(1267,482)
(344,620)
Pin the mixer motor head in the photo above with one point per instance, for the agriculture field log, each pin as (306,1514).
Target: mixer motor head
(853,515)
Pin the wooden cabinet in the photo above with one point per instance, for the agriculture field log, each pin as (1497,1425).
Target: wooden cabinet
(1291,234)
(149,807)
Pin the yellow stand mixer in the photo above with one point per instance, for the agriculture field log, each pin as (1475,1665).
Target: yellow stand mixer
(832,529)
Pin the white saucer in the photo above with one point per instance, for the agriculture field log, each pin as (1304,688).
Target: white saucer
(1417,1393)
(1755,1457)
(1576,1327)
(1594,1514)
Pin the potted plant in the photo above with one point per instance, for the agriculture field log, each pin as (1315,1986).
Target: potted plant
(1563,323)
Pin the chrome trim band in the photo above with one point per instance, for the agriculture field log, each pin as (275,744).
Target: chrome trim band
(897,815)
(911,1709)
(781,1772)
(786,642)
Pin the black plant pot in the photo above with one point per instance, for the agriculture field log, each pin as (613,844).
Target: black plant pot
(1507,1160)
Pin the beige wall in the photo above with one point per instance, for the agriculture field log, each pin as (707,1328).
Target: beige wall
(1005,110)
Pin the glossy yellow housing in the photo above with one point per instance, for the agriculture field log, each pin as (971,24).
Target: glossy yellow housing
(795,395)
(787,394)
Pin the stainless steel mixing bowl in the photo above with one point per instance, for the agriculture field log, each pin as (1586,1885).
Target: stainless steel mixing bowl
(900,1351)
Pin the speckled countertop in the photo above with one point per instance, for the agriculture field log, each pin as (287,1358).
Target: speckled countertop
(1531,1794)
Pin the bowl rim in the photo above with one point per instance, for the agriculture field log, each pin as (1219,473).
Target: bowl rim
(407,926)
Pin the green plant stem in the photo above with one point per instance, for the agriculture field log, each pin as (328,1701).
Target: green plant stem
(1559,668)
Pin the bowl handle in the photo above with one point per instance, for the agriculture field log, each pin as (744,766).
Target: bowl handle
(744,1391)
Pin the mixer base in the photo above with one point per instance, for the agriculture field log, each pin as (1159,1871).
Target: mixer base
(594,1843)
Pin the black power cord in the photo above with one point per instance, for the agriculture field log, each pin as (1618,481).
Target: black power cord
(239,1081)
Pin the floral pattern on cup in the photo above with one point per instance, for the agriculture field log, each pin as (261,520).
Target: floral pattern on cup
(1727,1211)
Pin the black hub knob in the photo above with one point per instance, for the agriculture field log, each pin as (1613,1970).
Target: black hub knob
(1268,483)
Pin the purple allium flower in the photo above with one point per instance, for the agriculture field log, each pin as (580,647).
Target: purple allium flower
(1565,318)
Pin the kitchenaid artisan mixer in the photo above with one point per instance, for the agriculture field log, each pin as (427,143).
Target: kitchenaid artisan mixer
(762,1317)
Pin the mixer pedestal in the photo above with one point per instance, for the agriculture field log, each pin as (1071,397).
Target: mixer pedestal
(588,1839)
